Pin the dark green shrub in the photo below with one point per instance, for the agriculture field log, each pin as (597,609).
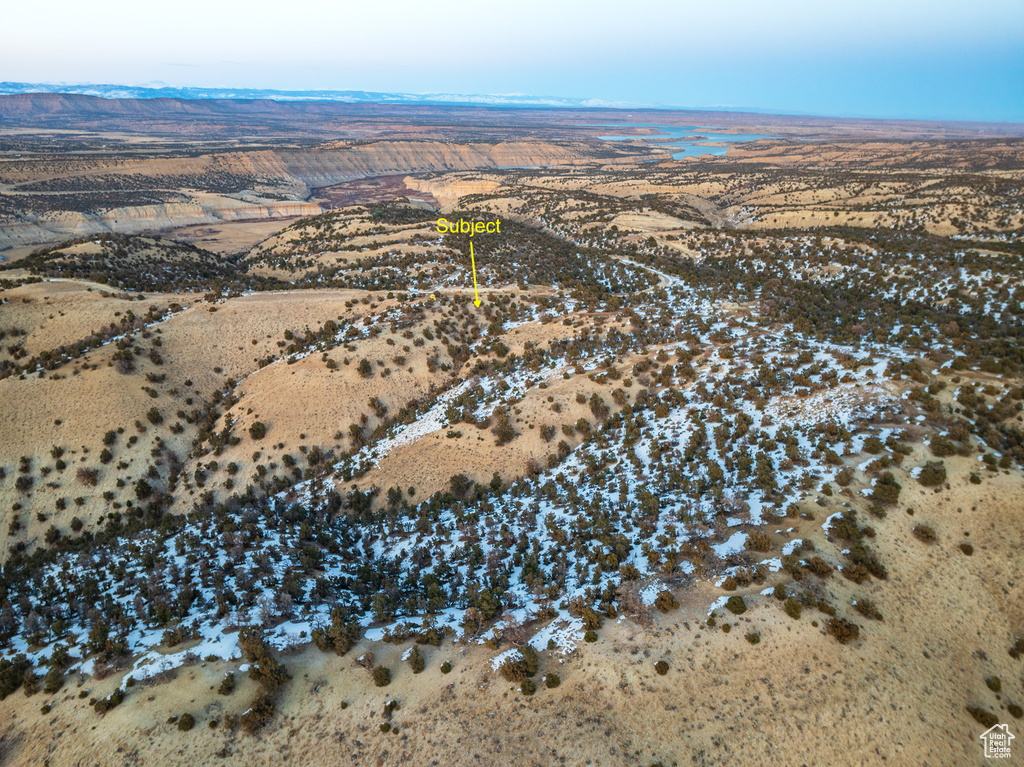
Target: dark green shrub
(339,637)
(793,608)
(416,662)
(53,681)
(590,636)
(932,474)
(528,687)
(446,667)
(114,700)
(759,540)
(842,630)
(258,430)
(259,714)
(736,605)
(753,637)
(227,684)
(925,533)
(551,681)
(887,489)
(867,608)
(516,669)
(382,676)
(942,446)
(265,669)
(845,527)
(873,446)
(983,717)
(818,566)
(661,667)
(186,722)
(665,601)
(629,572)
(12,674)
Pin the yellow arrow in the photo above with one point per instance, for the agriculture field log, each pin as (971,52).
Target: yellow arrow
(476,291)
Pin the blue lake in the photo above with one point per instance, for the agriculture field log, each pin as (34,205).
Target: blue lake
(683,136)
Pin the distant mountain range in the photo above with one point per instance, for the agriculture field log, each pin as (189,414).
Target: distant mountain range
(348,97)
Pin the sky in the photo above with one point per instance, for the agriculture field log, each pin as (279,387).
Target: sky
(925,59)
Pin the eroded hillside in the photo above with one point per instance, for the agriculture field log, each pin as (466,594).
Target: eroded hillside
(724,438)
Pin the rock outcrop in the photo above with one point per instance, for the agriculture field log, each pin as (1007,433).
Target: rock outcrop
(32,230)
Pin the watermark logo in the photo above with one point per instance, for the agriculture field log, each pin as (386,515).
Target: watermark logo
(997,741)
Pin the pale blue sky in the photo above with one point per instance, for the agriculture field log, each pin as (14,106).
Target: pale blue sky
(882,58)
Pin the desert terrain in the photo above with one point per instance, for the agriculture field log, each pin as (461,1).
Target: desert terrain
(721,463)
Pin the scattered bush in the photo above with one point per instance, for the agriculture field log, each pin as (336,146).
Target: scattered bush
(661,667)
(528,687)
(551,681)
(227,684)
(446,668)
(186,722)
(753,637)
(258,430)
